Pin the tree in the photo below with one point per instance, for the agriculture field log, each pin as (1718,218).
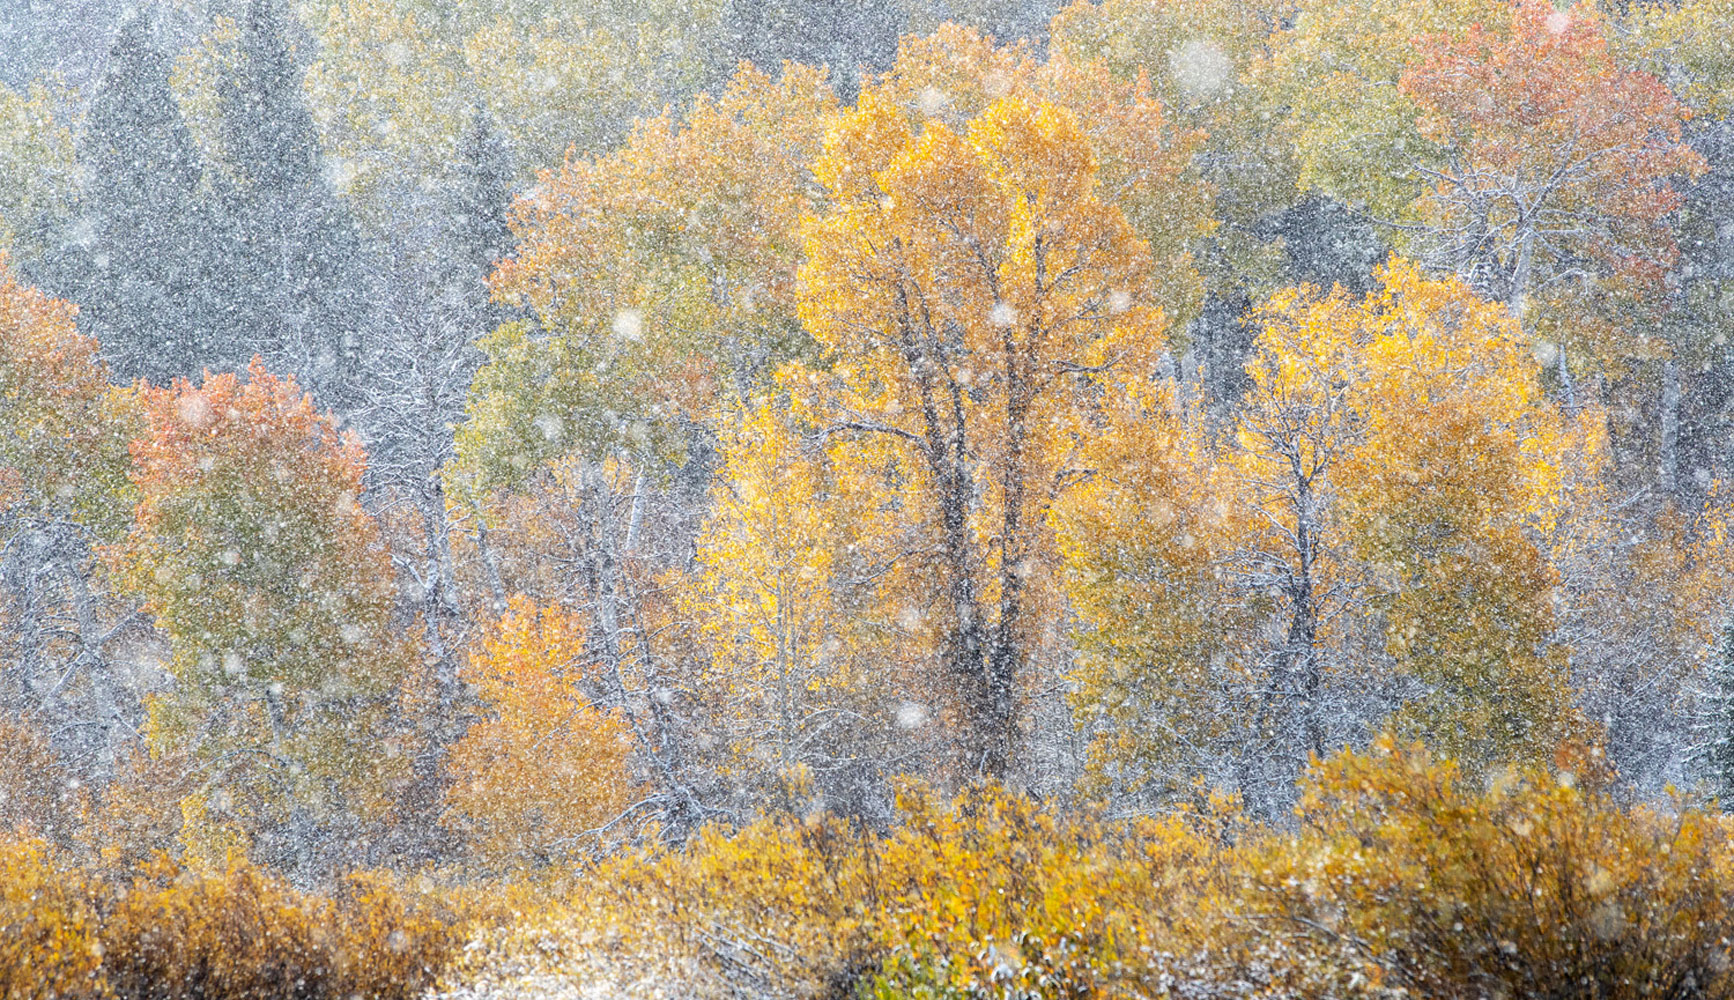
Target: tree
(479,226)
(1712,752)
(66,636)
(291,257)
(39,152)
(542,775)
(569,77)
(655,277)
(1167,649)
(386,94)
(977,290)
(1209,61)
(251,550)
(1366,545)
(1461,473)
(791,644)
(1548,162)
(146,300)
(1337,68)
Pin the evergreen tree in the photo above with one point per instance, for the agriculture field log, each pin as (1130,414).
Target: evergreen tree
(1711,755)
(296,291)
(147,224)
(479,232)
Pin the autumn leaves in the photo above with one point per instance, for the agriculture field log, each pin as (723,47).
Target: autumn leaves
(1369,541)
(957,467)
(920,365)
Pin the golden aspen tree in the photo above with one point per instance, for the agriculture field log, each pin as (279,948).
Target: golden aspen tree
(1166,650)
(1373,539)
(1449,501)
(796,648)
(976,288)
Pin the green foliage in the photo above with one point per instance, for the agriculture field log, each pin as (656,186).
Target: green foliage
(39,159)
(251,549)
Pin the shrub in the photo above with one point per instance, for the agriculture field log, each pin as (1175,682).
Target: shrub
(48,941)
(243,933)
(234,934)
(793,906)
(1399,881)
(1540,885)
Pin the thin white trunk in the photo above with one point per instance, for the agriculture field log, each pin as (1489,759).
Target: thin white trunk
(1669,471)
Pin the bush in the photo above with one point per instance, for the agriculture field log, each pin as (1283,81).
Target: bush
(176,934)
(1400,881)
(794,906)
(1541,885)
(48,941)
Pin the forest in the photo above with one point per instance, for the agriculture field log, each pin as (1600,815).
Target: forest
(852,501)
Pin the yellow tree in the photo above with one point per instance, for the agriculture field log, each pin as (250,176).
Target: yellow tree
(795,647)
(1207,60)
(1373,540)
(977,289)
(659,276)
(546,767)
(1167,650)
(1449,501)
(37,152)
(388,101)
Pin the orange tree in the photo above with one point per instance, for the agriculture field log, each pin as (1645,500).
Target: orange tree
(1546,160)
(251,549)
(546,766)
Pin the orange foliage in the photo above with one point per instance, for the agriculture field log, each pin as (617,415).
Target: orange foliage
(1555,151)
(66,427)
(547,767)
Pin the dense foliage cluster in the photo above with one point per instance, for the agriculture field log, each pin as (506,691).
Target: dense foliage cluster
(1203,498)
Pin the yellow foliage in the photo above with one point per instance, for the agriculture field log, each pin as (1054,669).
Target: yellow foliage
(231,932)
(1375,534)
(787,645)
(49,944)
(1402,880)
(547,767)
(980,282)
(1542,884)
(807,907)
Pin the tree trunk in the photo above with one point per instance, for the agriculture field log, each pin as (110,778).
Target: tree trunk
(1668,471)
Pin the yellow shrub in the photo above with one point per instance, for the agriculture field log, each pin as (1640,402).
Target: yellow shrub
(812,906)
(48,940)
(243,933)
(234,934)
(1541,884)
